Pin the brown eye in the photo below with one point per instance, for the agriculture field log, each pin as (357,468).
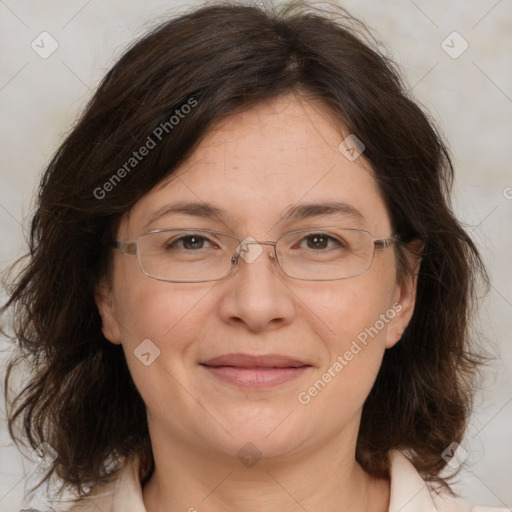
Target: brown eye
(317,241)
(188,242)
(193,242)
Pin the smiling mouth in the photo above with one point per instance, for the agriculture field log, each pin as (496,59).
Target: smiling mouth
(256,377)
(255,371)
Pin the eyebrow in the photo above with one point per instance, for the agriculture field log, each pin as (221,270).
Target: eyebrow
(305,211)
(293,213)
(194,209)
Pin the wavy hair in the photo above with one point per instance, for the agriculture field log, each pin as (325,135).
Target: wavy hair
(227,57)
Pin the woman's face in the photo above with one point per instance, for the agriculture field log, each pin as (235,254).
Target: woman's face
(253,167)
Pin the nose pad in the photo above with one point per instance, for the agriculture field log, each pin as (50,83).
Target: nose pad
(235,259)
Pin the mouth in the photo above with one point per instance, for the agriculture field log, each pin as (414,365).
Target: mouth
(256,372)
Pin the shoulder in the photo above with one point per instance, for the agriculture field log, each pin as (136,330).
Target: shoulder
(446,503)
(100,499)
(410,493)
(122,494)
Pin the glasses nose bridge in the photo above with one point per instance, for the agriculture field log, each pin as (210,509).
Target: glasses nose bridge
(261,242)
(257,242)
(235,260)
(264,242)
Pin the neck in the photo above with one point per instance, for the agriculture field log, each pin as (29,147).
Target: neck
(187,480)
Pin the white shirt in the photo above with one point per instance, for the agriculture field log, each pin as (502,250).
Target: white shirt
(409,492)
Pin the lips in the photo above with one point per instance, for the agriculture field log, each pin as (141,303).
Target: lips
(255,372)
(240,360)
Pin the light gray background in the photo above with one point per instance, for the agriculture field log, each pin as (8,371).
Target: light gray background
(470,96)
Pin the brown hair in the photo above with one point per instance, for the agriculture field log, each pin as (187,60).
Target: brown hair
(227,57)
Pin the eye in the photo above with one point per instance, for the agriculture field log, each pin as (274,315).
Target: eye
(317,241)
(188,242)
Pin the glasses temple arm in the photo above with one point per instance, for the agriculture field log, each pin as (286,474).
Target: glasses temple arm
(384,243)
(125,247)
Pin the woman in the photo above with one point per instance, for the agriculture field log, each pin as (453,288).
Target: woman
(246,289)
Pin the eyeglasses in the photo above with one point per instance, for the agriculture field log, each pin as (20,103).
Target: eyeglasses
(188,255)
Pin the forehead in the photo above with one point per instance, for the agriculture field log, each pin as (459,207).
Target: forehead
(258,164)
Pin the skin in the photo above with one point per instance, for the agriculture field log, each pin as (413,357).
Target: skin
(254,165)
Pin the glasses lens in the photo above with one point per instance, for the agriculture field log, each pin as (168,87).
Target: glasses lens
(325,254)
(186,255)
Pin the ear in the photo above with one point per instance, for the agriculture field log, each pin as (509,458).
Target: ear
(404,297)
(109,324)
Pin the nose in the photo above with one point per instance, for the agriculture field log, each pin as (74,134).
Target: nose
(255,293)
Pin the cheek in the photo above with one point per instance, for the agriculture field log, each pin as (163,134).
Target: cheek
(353,318)
(348,308)
(159,322)
(168,314)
